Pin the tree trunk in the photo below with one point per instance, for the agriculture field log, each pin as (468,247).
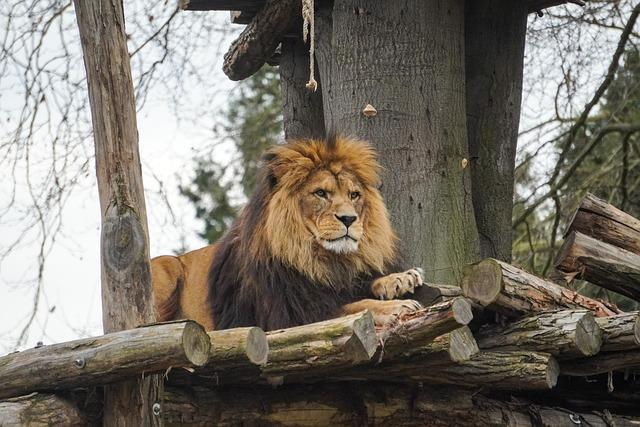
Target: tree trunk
(301,108)
(126,280)
(494,52)
(407,61)
(600,263)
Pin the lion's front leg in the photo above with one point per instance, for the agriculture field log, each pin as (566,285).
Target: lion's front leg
(383,311)
(397,285)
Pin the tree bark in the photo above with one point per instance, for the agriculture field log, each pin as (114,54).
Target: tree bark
(126,281)
(601,363)
(600,263)
(237,348)
(620,332)
(494,52)
(105,359)
(434,293)
(386,56)
(38,409)
(514,292)
(565,334)
(602,221)
(301,109)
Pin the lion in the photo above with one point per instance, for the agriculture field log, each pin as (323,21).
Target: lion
(313,242)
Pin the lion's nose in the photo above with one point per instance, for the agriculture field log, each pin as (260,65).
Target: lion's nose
(347,220)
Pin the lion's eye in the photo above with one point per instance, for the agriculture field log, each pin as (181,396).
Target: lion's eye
(355,195)
(320,193)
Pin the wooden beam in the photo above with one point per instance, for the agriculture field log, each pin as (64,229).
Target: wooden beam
(126,279)
(221,4)
(602,221)
(238,348)
(600,263)
(564,333)
(104,359)
(514,292)
(260,38)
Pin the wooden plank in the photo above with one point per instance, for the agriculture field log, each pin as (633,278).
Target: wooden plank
(514,292)
(104,359)
(600,263)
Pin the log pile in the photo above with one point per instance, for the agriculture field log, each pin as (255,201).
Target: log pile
(506,348)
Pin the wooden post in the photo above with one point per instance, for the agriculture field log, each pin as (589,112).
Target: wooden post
(126,280)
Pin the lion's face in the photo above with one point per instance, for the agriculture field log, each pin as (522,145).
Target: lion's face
(332,204)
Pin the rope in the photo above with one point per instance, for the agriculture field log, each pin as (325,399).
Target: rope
(308,29)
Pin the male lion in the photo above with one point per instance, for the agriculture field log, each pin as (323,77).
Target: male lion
(312,243)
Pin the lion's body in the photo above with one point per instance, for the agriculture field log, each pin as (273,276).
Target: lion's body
(314,237)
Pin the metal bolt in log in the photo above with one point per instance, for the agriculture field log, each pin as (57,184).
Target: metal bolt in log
(564,333)
(104,359)
(514,292)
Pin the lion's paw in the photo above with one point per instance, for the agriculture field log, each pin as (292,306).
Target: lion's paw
(397,284)
(386,311)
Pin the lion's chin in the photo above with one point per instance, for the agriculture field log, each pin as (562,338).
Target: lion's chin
(341,246)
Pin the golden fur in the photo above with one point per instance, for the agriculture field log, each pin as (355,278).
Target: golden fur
(314,238)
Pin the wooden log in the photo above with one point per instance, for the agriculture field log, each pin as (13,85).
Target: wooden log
(456,346)
(601,363)
(237,348)
(514,292)
(564,333)
(434,293)
(124,244)
(422,326)
(259,39)
(620,332)
(104,359)
(221,4)
(498,371)
(602,221)
(241,17)
(600,263)
(38,409)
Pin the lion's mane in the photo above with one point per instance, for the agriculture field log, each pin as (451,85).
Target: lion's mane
(269,271)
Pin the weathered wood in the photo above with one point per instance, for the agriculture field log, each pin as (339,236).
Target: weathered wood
(494,50)
(620,332)
(241,17)
(434,293)
(221,4)
(514,292)
(564,333)
(456,346)
(600,263)
(301,108)
(601,363)
(260,38)
(37,409)
(422,326)
(602,221)
(104,359)
(236,348)
(516,370)
(126,279)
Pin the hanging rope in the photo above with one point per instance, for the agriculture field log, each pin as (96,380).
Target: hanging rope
(308,29)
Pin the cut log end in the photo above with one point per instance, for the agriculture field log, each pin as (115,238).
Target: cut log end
(588,335)
(482,281)
(257,346)
(553,371)
(363,343)
(462,344)
(462,311)
(196,343)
